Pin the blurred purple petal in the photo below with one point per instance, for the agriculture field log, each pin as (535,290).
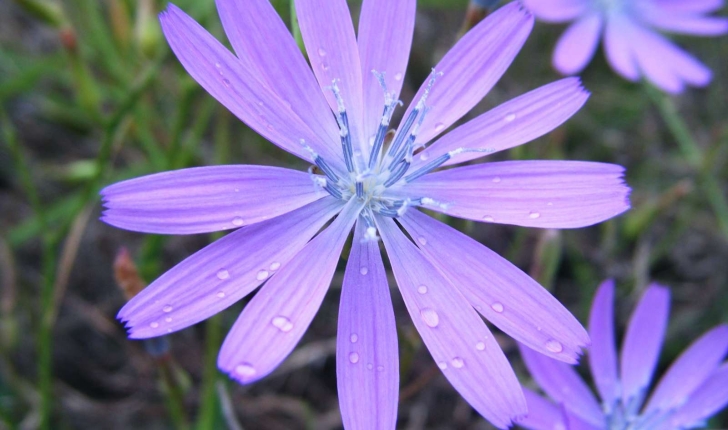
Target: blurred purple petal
(226,79)
(679,22)
(575,422)
(557,10)
(223,272)
(705,401)
(329,37)
(691,6)
(603,352)
(505,295)
(618,48)
(690,370)
(385,37)
(275,319)
(472,67)
(577,45)
(205,199)
(367,361)
(513,123)
(542,414)
(460,343)
(546,194)
(642,343)
(264,45)
(561,382)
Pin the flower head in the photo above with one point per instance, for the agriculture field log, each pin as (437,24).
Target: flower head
(694,388)
(632,45)
(337,118)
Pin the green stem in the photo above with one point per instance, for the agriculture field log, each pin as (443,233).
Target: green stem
(693,154)
(208,401)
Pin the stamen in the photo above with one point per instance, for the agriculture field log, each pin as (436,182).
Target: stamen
(334,191)
(321,163)
(343,121)
(426,201)
(371,234)
(359,189)
(397,174)
(439,161)
(389,105)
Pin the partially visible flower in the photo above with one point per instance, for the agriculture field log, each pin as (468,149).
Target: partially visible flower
(694,388)
(632,45)
(337,118)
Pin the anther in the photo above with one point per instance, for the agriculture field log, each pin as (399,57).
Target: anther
(389,105)
(321,163)
(343,121)
(439,161)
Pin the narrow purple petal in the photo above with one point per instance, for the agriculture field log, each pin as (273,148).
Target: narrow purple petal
(385,37)
(705,401)
(690,6)
(262,41)
(460,343)
(546,194)
(501,292)
(682,23)
(666,65)
(332,50)
(576,47)
(557,10)
(205,199)
(575,422)
(542,414)
(224,272)
(618,47)
(603,351)
(227,79)
(275,319)
(367,361)
(643,341)
(690,370)
(513,123)
(472,67)
(561,382)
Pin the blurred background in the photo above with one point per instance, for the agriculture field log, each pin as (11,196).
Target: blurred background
(90,94)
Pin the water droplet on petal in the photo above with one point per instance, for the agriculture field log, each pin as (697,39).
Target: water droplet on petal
(220,294)
(510,117)
(422,289)
(554,346)
(370,366)
(442,365)
(322,52)
(496,179)
(226,82)
(237,221)
(439,127)
(245,369)
(380,368)
(457,362)
(498,307)
(353,338)
(223,274)
(430,317)
(270,127)
(154,324)
(282,323)
(168,319)
(422,240)
(354,358)
(480,346)
(217,65)
(488,218)
(167,309)
(325,66)
(364,270)
(398,76)
(549,204)
(424,156)
(262,275)
(275,266)
(534,215)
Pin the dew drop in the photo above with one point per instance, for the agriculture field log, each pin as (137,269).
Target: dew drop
(354,358)
(325,65)
(442,365)
(282,323)
(220,295)
(480,346)
(168,319)
(488,218)
(223,274)
(549,204)
(380,368)
(237,221)
(430,317)
(498,307)
(167,309)
(353,338)
(275,266)
(422,289)
(370,366)
(554,346)
(154,324)
(439,127)
(270,127)
(457,362)
(262,275)
(424,156)
(497,179)
(422,240)
(226,82)
(510,117)
(534,215)
(364,270)
(245,369)
(217,65)
(322,52)
(398,77)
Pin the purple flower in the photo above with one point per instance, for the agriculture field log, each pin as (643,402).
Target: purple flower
(632,46)
(694,388)
(337,118)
